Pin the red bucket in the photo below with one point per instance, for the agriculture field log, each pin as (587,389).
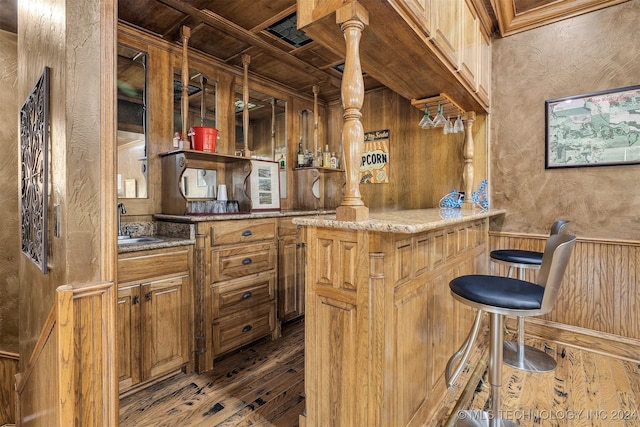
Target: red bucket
(203,138)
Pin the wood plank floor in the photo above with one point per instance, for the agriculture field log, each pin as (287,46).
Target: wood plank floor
(263,385)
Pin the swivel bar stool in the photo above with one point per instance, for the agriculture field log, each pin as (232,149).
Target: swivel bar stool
(504,296)
(517,354)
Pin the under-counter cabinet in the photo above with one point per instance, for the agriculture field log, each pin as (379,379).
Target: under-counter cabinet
(290,271)
(153,315)
(238,302)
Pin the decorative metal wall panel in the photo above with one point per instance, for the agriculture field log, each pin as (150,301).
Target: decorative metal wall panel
(34,169)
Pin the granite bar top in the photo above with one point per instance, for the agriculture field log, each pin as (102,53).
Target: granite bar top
(402,221)
(169,234)
(252,215)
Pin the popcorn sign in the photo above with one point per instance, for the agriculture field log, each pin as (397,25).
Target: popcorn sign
(374,167)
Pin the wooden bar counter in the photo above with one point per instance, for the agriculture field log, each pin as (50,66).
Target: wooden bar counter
(380,322)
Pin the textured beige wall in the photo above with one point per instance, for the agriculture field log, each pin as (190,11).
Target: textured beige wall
(592,52)
(65,36)
(9,231)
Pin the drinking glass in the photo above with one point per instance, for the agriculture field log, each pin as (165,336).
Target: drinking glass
(426,122)
(439,120)
(448,127)
(458,126)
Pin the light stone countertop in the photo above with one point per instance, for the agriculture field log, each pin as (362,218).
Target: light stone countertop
(402,221)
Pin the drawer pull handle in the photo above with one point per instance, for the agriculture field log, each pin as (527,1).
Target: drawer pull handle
(246,233)
(246,295)
(247,261)
(247,328)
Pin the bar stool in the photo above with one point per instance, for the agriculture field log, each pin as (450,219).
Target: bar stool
(517,354)
(505,296)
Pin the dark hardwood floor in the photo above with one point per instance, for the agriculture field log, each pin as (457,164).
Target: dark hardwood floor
(263,385)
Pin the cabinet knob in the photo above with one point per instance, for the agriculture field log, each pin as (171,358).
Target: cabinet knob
(247,261)
(148,296)
(246,295)
(246,233)
(247,328)
(136,299)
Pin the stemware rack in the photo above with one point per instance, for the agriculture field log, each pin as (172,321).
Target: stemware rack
(449,107)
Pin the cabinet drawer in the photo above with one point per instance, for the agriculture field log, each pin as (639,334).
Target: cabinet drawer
(136,266)
(287,228)
(228,232)
(242,327)
(238,261)
(241,294)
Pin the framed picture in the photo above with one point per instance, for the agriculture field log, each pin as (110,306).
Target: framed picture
(595,129)
(264,185)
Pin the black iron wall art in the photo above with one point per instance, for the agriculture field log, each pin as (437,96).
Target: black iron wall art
(34,168)
(595,129)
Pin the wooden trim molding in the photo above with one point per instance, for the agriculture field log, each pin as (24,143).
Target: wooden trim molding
(512,22)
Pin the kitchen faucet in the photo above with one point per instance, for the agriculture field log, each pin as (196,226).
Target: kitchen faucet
(121,210)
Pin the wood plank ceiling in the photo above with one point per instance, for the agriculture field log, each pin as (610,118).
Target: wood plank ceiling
(229,29)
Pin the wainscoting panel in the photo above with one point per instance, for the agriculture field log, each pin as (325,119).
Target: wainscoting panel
(600,291)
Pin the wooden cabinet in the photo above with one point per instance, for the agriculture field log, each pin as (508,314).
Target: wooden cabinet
(380,320)
(470,45)
(290,271)
(153,315)
(236,295)
(484,69)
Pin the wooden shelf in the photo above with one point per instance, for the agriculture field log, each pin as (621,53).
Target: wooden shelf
(207,156)
(320,169)
(449,107)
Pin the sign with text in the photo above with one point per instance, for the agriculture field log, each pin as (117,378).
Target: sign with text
(374,167)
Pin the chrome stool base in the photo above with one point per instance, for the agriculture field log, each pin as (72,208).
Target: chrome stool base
(480,419)
(527,358)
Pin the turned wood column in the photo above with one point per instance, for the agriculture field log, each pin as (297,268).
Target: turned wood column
(352,19)
(467,174)
(246,59)
(316,91)
(186,33)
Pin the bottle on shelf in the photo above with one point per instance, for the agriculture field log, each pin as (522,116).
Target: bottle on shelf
(334,161)
(283,162)
(300,155)
(326,161)
(318,162)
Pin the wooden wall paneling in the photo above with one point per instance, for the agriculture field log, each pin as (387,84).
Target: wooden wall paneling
(600,294)
(8,371)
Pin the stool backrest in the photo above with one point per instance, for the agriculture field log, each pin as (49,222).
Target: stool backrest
(557,252)
(559,227)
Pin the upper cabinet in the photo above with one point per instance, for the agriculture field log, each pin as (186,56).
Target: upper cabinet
(443,43)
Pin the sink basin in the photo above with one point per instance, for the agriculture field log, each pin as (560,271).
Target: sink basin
(137,240)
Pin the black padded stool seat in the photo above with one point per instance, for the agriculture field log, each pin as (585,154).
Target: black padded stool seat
(499,291)
(503,296)
(517,256)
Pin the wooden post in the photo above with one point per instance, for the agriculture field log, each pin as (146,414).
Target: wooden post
(273,127)
(352,19)
(186,33)
(246,59)
(316,91)
(467,175)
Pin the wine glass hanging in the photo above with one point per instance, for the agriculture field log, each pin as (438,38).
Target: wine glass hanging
(447,115)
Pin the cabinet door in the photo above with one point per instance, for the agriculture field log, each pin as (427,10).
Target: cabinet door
(165,310)
(447,28)
(128,339)
(421,11)
(470,49)
(484,69)
(290,278)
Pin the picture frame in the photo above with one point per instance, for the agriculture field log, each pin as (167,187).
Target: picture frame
(264,185)
(593,129)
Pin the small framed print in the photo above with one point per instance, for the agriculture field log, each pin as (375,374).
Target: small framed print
(264,185)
